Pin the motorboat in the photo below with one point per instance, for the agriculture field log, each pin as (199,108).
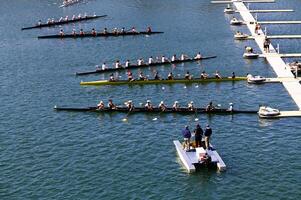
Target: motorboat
(266,112)
(250,55)
(241,36)
(236,22)
(198,157)
(229,10)
(256,79)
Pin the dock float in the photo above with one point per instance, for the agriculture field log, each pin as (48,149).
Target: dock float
(287,114)
(279,22)
(270,11)
(284,55)
(246,1)
(277,37)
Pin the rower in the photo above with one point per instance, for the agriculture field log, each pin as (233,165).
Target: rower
(204,75)
(173,58)
(187,76)
(184,57)
(66,18)
(73,17)
(150,60)
(61,32)
(130,75)
(115,30)
(127,63)
(61,19)
(130,105)
(85,15)
(134,30)
(230,107)
(48,21)
(79,16)
(176,106)
(39,23)
(198,56)
(52,21)
(149,29)
(190,106)
(105,31)
(104,66)
(217,75)
(112,78)
(142,77)
(117,64)
(100,105)
(111,105)
(148,106)
(81,32)
(233,75)
(162,106)
(73,32)
(122,30)
(164,59)
(157,77)
(170,76)
(140,62)
(210,106)
(93,32)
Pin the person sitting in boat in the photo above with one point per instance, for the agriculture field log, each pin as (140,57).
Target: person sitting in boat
(39,22)
(122,31)
(198,134)
(208,133)
(130,75)
(134,30)
(52,21)
(233,75)
(104,66)
(187,135)
(230,107)
(188,76)
(176,106)
(73,17)
(127,63)
(217,75)
(184,57)
(198,56)
(204,75)
(93,32)
(111,105)
(100,105)
(48,21)
(117,64)
(79,16)
(210,107)
(149,29)
(105,31)
(190,106)
(115,30)
(174,58)
(157,77)
(85,15)
(73,32)
(112,78)
(66,18)
(81,32)
(248,49)
(142,77)
(164,59)
(148,106)
(61,19)
(150,60)
(162,106)
(249,76)
(61,32)
(130,105)
(170,76)
(140,62)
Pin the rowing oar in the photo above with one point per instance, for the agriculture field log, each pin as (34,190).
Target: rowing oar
(126,117)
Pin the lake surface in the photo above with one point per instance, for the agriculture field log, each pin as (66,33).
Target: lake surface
(62,155)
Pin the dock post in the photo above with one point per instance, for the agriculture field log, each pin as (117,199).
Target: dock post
(265,30)
(278,50)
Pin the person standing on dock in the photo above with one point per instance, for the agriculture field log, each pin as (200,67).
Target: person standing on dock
(187,135)
(208,133)
(198,134)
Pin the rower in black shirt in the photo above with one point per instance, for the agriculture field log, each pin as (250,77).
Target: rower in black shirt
(170,76)
(111,105)
(210,107)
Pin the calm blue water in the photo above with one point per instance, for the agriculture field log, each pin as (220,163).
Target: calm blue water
(50,155)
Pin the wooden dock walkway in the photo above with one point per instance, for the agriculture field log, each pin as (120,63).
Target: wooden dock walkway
(246,1)
(288,114)
(278,37)
(279,22)
(275,60)
(270,11)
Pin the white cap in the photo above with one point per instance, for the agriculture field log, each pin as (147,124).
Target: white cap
(148,101)
(191,102)
(230,104)
(130,101)
(162,102)
(176,102)
(101,102)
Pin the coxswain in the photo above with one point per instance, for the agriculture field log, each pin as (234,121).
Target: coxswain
(105,31)
(187,75)
(61,19)
(148,106)
(93,32)
(140,62)
(104,66)
(162,106)
(176,106)
(122,30)
(157,77)
(190,106)
(73,32)
(204,75)
(73,17)
(233,75)
(81,32)
(217,75)
(230,107)
(134,30)
(127,63)
(149,29)
(130,75)
(150,60)
(39,23)
(112,78)
(170,76)
(111,105)
(210,107)
(61,32)
(142,77)
(173,58)
(117,64)
(184,57)
(66,18)
(130,105)
(198,56)
(100,105)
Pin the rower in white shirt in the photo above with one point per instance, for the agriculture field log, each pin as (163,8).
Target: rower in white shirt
(173,58)
(104,66)
(150,60)
(140,61)
(198,56)
(127,63)
(164,59)
(184,57)
(117,64)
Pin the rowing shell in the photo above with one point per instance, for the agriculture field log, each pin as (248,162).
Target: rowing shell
(64,22)
(163,81)
(98,35)
(99,71)
(156,110)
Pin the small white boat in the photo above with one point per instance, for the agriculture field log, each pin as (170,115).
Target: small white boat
(256,79)
(236,22)
(267,112)
(197,158)
(241,36)
(69,3)
(229,10)
(250,55)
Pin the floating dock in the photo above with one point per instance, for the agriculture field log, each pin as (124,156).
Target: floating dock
(279,22)
(277,37)
(246,1)
(288,114)
(270,11)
